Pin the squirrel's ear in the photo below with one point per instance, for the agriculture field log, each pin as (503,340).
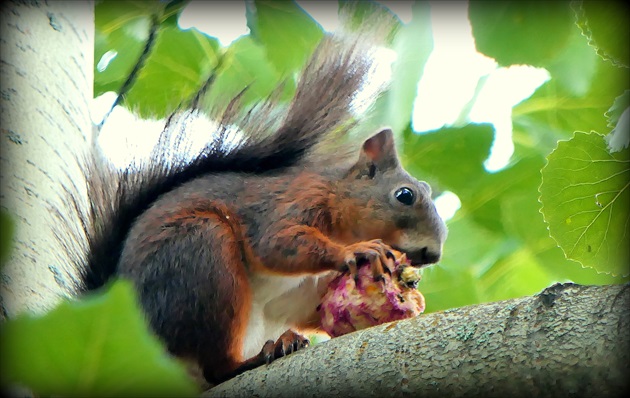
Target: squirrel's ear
(381,150)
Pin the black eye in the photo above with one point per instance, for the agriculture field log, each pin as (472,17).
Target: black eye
(405,196)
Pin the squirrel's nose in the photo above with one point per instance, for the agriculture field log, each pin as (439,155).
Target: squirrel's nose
(424,256)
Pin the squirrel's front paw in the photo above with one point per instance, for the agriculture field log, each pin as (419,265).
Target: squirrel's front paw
(377,253)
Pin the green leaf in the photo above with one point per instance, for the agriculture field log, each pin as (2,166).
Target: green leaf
(520,211)
(179,64)
(575,66)
(356,15)
(585,194)
(444,288)
(618,108)
(515,275)
(288,34)
(121,32)
(553,113)
(454,282)
(176,65)
(453,157)
(413,44)
(605,24)
(245,65)
(173,10)
(99,346)
(618,117)
(520,32)
(484,199)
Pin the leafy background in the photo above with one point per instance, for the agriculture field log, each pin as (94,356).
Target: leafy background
(557,212)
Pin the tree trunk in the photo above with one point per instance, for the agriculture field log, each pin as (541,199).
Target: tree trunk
(46,71)
(567,341)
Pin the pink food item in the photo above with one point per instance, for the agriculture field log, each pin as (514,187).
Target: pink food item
(348,306)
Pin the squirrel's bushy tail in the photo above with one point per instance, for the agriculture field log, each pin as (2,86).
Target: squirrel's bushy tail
(273,139)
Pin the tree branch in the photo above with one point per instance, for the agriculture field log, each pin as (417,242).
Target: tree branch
(568,340)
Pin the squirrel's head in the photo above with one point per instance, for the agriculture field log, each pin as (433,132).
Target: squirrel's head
(393,206)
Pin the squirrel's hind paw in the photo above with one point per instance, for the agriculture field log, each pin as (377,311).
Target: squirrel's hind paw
(287,343)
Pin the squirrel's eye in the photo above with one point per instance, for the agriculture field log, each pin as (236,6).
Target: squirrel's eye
(405,196)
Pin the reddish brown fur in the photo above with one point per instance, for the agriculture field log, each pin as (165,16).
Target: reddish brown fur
(220,238)
(236,237)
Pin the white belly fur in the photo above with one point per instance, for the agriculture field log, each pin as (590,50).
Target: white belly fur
(277,303)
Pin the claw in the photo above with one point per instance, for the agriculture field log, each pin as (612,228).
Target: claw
(351,263)
(267,351)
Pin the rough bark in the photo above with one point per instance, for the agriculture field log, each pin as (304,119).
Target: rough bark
(46,71)
(567,341)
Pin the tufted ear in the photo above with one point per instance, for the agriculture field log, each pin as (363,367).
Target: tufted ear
(380,150)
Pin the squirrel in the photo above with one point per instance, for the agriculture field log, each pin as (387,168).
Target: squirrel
(231,252)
